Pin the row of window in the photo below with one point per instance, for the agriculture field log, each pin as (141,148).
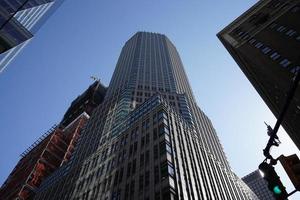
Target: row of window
(146,87)
(199,171)
(148,94)
(132,149)
(274,55)
(266,50)
(163,170)
(166,170)
(285,30)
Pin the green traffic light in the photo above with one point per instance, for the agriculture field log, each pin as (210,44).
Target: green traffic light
(277,190)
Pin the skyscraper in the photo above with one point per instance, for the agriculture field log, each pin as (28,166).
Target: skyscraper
(19,21)
(258,185)
(53,149)
(149,139)
(264,41)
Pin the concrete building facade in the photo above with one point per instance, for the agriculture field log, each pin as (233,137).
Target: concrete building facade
(265,41)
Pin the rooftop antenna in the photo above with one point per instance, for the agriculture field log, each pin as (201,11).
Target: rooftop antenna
(95,78)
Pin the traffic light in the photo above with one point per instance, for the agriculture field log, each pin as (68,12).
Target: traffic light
(274,183)
(291,165)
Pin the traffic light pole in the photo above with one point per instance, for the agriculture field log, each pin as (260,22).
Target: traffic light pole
(291,193)
(273,134)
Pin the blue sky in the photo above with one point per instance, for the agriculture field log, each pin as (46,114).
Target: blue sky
(84,38)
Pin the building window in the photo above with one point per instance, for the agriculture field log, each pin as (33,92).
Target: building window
(273,25)
(252,41)
(124,154)
(295,69)
(142,158)
(116,178)
(108,183)
(121,175)
(135,147)
(155,151)
(141,183)
(162,129)
(133,166)
(116,195)
(147,156)
(259,45)
(161,114)
(147,178)
(245,37)
(156,174)
(147,138)
(241,33)
(275,4)
(274,56)
(285,63)
(171,97)
(130,150)
(154,118)
(166,169)
(266,50)
(281,29)
(155,134)
(165,147)
(168,148)
(132,189)
(126,191)
(128,169)
(142,142)
(295,9)
(291,33)
(108,166)
(112,164)
(168,195)
(157,195)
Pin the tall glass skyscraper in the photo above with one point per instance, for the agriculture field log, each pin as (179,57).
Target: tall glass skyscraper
(149,139)
(19,21)
(258,185)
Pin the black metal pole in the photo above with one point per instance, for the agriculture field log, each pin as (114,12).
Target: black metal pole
(280,118)
(291,193)
(15,12)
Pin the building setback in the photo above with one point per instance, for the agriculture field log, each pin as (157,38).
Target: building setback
(258,185)
(19,21)
(53,149)
(148,139)
(265,42)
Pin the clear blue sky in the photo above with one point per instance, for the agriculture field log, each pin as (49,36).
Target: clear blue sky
(84,38)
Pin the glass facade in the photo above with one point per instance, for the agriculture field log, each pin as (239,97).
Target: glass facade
(258,185)
(149,139)
(19,20)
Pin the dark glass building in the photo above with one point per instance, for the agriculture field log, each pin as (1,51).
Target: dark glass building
(148,139)
(258,185)
(19,21)
(265,42)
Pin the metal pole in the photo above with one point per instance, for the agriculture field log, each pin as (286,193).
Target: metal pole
(280,118)
(291,193)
